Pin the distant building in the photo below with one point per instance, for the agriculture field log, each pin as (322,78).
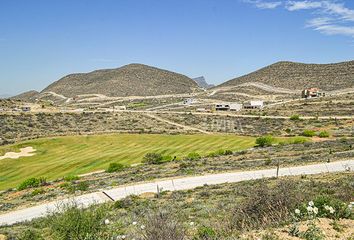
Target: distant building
(312,93)
(222,107)
(254,105)
(235,107)
(26,109)
(189,101)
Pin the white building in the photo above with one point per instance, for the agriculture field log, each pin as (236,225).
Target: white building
(235,107)
(189,101)
(258,104)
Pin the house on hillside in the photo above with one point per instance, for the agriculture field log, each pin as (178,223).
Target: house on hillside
(312,93)
(222,107)
(254,105)
(189,101)
(235,107)
(228,107)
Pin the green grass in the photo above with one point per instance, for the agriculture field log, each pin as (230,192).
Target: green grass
(61,156)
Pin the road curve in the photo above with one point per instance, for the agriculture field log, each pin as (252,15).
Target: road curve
(171,185)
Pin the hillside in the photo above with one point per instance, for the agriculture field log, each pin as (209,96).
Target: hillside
(26,96)
(129,80)
(292,75)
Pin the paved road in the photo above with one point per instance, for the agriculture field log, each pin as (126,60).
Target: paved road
(172,185)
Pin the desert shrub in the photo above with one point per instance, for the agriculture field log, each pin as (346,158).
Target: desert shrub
(308,133)
(323,134)
(193,156)
(71,178)
(265,141)
(205,233)
(153,158)
(228,152)
(264,206)
(37,191)
(32,182)
(82,186)
(115,167)
(161,225)
(73,222)
(295,117)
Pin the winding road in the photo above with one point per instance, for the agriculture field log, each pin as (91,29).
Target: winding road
(175,184)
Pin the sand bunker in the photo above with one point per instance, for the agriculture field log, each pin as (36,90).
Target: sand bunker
(24,152)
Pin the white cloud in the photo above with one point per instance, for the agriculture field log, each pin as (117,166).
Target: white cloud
(302,5)
(333,17)
(264,4)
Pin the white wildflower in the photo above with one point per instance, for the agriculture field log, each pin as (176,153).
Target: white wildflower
(142,227)
(134,223)
(331,210)
(315,210)
(309,209)
(297,211)
(106,221)
(326,207)
(191,223)
(311,204)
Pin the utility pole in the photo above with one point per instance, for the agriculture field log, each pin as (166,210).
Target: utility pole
(278,166)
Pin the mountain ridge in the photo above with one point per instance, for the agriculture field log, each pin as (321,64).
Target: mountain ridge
(295,75)
(129,80)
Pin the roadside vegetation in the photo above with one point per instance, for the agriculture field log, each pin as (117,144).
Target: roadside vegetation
(261,209)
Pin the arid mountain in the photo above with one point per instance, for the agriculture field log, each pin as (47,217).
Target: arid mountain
(26,96)
(296,76)
(129,80)
(202,82)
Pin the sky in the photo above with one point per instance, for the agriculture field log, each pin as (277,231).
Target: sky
(42,41)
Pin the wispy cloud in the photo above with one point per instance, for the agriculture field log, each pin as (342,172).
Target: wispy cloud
(332,16)
(264,4)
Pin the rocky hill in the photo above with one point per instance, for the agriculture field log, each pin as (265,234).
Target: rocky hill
(27,96)
(292,75)
(202,82)
(129,80)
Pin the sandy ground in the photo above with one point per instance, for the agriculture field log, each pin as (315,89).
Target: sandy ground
(24,152)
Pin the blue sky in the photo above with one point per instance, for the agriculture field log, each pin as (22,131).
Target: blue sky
(41,40)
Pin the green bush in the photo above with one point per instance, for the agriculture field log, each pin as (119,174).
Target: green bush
(153,158)
(71,178)
(73,222)
(295,117)
(31,183)
(308,133)
(265,141)
(82,186)
(323,134)
(206,233)
(115,167)
(37,191)
(193,156)
(30,234)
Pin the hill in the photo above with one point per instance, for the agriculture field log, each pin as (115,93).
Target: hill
(291,75)
(26,96)
(129,80)
(202,82)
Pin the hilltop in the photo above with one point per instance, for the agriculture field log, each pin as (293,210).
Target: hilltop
(296,76)
(129,80)
(26,96)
